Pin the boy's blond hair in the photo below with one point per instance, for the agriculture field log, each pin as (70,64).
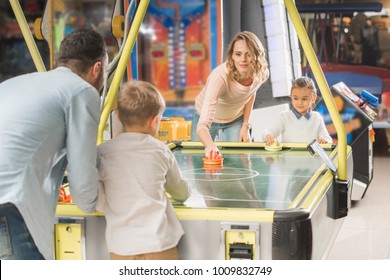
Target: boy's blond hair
(138,102)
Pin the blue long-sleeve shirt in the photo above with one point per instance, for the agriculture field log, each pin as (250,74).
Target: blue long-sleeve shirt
(48,122)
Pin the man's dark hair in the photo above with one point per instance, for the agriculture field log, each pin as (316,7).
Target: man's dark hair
(81,49)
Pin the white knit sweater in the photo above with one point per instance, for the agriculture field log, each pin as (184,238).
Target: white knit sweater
(299,130)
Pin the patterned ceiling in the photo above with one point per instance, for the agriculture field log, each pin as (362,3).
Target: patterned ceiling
(386,3)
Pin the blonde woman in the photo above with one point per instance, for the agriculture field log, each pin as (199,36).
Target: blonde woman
(225,103)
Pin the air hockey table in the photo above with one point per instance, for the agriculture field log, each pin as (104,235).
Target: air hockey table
(258,205)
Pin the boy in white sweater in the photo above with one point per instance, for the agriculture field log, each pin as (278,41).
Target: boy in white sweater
(301,123)
(135,171)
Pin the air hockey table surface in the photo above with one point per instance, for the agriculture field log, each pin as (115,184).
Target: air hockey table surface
(257,205)
(271,205)
(249,177)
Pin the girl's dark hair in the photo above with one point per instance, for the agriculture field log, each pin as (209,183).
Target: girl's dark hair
(82,48)
(304,82)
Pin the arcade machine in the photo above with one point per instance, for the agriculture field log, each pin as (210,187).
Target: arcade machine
(179,49)
(358,114)
(62,17)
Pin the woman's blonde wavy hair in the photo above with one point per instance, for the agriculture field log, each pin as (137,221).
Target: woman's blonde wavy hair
(258,63)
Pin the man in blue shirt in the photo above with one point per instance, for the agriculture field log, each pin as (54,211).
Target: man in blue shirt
(49,122)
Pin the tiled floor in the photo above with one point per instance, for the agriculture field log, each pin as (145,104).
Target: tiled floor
(365,233)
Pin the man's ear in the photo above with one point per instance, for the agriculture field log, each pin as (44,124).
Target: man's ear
(96,68)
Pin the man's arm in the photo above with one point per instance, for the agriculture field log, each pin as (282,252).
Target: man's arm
(82,119)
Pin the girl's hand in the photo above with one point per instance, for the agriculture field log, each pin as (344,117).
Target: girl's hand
(321,141)
(269,139)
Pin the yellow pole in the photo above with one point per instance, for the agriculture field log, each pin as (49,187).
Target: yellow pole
(323,86)
(51,41)
(119,72)
(304,62)
(28,37)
